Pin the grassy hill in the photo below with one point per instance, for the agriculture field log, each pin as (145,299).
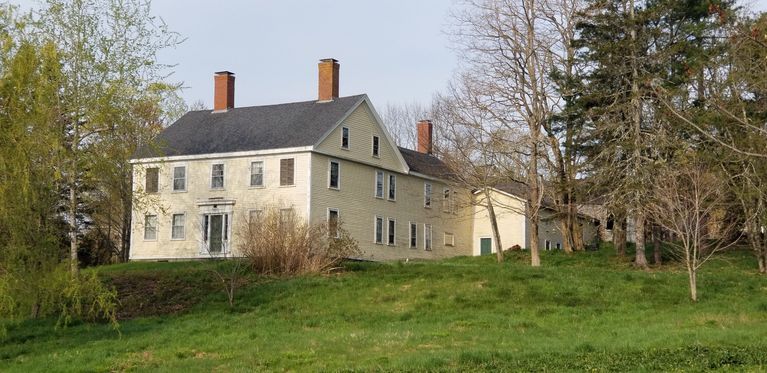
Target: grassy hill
(588,311)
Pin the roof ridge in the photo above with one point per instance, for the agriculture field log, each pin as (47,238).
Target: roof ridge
(275,105)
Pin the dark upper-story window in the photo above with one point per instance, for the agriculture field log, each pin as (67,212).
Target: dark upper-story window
(152,180)
(287,172)
(375,146)
(335,175)
(345,137)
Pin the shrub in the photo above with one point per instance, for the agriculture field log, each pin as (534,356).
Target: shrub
(278,242)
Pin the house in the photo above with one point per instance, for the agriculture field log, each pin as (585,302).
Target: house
(324,160)
(510,207)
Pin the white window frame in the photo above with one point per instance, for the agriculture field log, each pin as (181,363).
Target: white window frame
(428,237)
(338,220)
(347,132)
(547,245)
(376,219)
(392,177)
(223,176)
(183,226)
(330,168)
(173,178)
(263,173)
(450,241)
(559,246)
(411,237)
(375,184)
(156,227)
(427,195)
(389,233)
(375,149)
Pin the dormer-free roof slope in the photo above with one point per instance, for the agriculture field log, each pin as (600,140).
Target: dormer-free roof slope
(290,125)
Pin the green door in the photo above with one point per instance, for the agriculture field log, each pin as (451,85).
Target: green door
(485,246)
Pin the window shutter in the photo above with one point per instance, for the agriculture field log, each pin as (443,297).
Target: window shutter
(152,179)
(287,170)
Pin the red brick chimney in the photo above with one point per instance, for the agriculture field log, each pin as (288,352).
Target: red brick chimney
(328,68)
(223,91)
(424,136)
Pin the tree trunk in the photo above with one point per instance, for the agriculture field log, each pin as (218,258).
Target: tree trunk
(640,260)
(761,255)
(533,202)
(619,235)
(74,265)
(692,274)
(564,228)
(494,225)
(656,245)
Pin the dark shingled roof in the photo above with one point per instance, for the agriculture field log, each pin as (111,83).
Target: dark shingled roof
(251,128)
(426,164)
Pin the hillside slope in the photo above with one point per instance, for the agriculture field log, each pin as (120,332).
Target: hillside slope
(586,311)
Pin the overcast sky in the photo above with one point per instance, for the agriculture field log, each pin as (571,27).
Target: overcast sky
(395,50)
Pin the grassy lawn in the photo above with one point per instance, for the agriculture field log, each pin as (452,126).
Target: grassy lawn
(583,312)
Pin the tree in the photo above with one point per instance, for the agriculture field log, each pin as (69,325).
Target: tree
(510,48)
(690,201)
(112,95)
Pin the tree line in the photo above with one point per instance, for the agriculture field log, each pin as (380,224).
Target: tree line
(654,109)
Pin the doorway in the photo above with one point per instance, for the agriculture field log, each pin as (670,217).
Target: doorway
(485,246)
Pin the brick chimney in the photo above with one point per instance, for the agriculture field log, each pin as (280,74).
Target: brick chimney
(328,68)
(424,136)
(223,91)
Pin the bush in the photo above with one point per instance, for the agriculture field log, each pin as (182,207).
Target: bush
(54,291)
(280,243)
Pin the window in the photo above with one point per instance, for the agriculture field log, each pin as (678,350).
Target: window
(257,174)
(254,216)
(177,226)
(375,146)
(379,230)
(392,187)
(413,235)
(345,137)
(333,178)
(392,230)
(152,180)
(426,195)
(548,245)
(150,227)
(427,237)
(179,178)
(217,176)
(559,246)
(449,239)
(447,201)
(286,217)
(287,169)
(333,223)
(379,184)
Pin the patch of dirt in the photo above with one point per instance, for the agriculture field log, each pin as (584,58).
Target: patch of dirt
(142,294)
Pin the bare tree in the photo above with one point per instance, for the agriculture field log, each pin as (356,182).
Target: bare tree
(480,155)
(400,120)
(232,268)
(689,201)
(508,46)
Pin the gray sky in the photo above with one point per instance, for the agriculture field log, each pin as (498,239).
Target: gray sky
(395,50)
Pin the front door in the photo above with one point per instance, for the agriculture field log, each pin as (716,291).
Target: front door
(216,238)
(485,246)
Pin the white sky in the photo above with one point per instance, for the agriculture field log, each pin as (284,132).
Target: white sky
(394,50)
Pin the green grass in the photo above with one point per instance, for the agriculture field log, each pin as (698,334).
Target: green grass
(588,311)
